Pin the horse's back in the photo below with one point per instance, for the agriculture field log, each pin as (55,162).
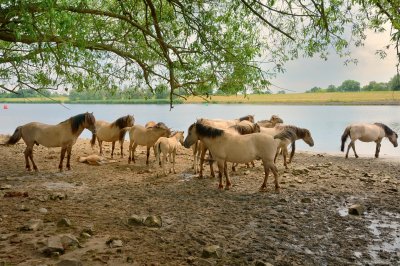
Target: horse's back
(105,132)
(44,134)
(365,132)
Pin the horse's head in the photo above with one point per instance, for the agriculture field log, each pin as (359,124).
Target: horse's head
(275,119)
(180,137)
(130,120)
(90,122)
(393,139)
(192,137)
(257,128)
(308,139)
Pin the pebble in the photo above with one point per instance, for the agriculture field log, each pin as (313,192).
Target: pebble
(213,251)
(43,210)
(54,246)
(153,221)
(64,222)
(356,209)
(4,187)
(32,225)
(114,243)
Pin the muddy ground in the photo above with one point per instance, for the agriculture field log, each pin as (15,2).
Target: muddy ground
(94,215)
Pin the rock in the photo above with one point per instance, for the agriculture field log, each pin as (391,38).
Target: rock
(300,171)
(23,208)
(54,246)
(153,221)
(69,241)
(4,187)
(356,209)
(135,220)
(246,172)
(64,222)
(58,196)
(43,210)
(114,243)
(213,251)
(32,225)
(306,200)
(298,180)
(69,262)
(85,235)
(15,239)
(89,229)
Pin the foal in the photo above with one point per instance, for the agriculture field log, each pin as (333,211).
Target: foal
(168,147)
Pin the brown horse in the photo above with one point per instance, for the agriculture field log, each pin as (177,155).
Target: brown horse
(271,122)
(111,132)
(168,147)
(289,135)
(367,133)
(228,147)
(62,135)
(139,135)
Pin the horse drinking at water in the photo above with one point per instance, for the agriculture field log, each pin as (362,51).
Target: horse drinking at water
(367,133)
(62,135)
(228,147)
(111,132)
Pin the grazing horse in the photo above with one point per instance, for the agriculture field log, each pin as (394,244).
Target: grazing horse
(271,122)
(367,133)
(289,135)
(139,135)
(168,146)
(62,135)
(111,132)
(227,147)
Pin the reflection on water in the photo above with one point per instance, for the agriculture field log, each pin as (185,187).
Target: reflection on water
(326,123)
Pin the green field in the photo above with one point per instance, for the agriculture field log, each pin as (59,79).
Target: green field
(376,98)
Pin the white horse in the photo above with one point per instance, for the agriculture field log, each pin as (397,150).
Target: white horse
(168,147)
(228,147)
(368,133)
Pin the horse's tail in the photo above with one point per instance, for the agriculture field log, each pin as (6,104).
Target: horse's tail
(122,133)
(93,140)
(345,135)
(157,150)
(15,137)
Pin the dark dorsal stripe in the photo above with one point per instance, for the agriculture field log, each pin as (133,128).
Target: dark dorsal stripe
(244,129)
(288,133)
(207,131)
(385,128)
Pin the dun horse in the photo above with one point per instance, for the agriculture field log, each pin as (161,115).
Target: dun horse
(289,135)
(228,147)
(139,135)
(168,147)
(62,135)
(271,122)
(368,133)
(111,132)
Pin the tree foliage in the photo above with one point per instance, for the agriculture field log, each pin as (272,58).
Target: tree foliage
(193,47)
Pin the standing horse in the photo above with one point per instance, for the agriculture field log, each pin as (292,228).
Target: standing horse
(139,135)
(111,132)
(168,146)
(367,133)
(289,135)
(62,135)
(228,147)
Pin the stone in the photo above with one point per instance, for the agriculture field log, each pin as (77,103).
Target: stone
(69,241)
(300,171)
(58,196)
(89,229)
(4,187)
(69,262)
(213,251)
(114,243)
(356,209)
(43,210)
(23,208)
(246,172)
(298,180)
(153,221)
(64,222)
(32,225)
(306,200)
(135,220)
(85,235)
(54,245)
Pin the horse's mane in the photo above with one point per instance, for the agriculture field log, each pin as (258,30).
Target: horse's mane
(292,131)
(122,122)
(287,133)
(388,130)
(207,131)
(248,118)
(245,129)
(76,121)
(176,133)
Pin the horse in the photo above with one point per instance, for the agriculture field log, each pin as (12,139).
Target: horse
(289,135)
(62,135)
(271,122)
(139,135)
(246,118)
(227,147)
(168,146)
(367,133)
(111,132)
(242,127)
(150,124)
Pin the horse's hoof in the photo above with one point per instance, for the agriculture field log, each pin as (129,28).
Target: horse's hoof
(220,187)
(263,189)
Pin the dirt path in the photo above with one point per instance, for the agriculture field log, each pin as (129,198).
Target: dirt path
(94,214)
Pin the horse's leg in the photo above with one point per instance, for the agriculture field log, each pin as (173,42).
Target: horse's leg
(348,149)
(148,154)
(292,152)
(234,167)
(266,172)
(112,149)
(353,145)
(101,146)
(284,154)
(228,181)
(276,154)
(173,161)
(378,149)
(31,157)
(211,165)
(69,150)
(221,170)
(26,153)
(202,155)
(63,150)
(122,148)
(163,162)
(275,173)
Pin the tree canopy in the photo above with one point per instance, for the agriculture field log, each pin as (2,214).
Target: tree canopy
(192,47)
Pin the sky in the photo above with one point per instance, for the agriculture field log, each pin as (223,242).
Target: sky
(305,73)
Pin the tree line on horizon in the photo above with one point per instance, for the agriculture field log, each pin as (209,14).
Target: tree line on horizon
(352,86)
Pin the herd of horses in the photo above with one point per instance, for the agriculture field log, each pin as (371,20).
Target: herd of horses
(236,141)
